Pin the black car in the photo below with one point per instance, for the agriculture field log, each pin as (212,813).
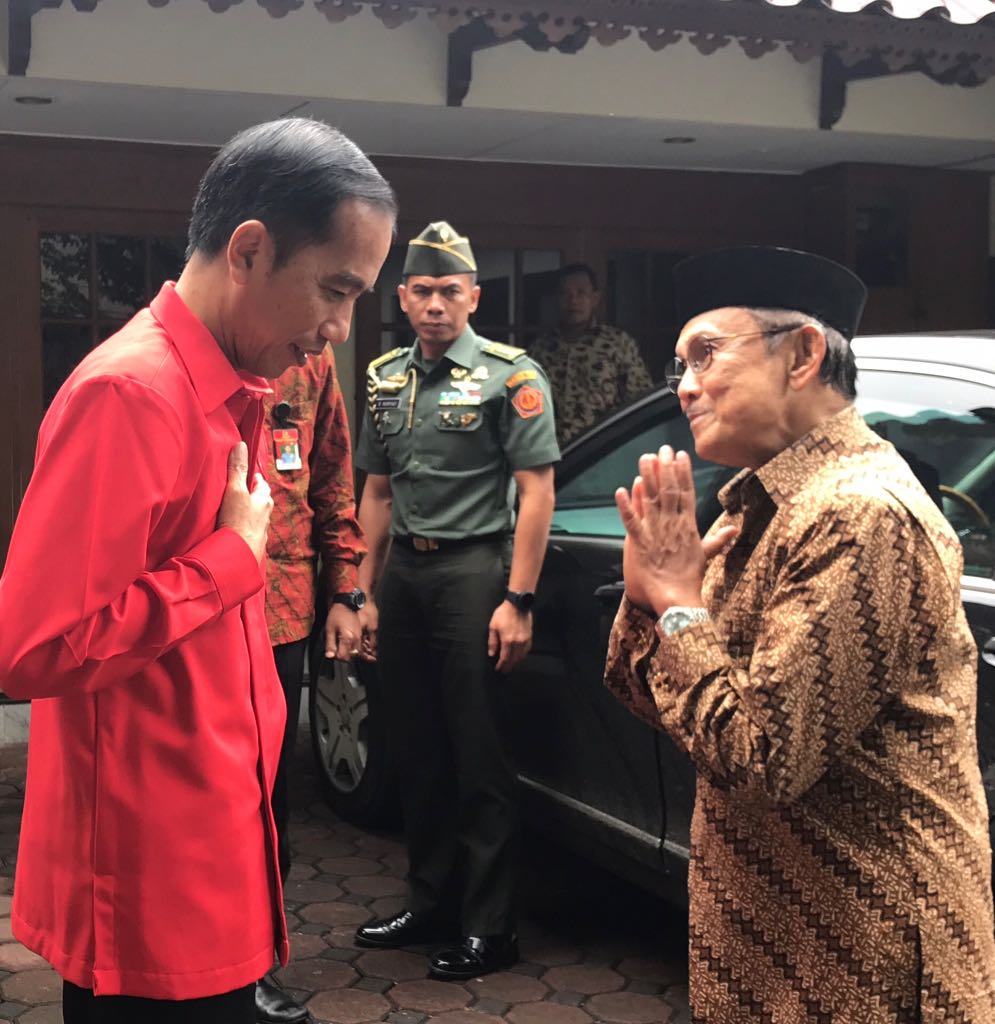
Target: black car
(591,774)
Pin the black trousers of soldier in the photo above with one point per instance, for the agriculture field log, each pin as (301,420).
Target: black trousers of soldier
(445,709)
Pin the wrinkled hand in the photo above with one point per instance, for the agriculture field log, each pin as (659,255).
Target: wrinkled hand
(342,633)
(244,511)
(369,621)
(509,636)
(664,556)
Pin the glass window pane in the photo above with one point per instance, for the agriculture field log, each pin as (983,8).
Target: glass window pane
(495,275)
(120,275)
(586,503)
(166,259)
(539,311)
(62,346)
(945,429)
(65,276)
(390,278)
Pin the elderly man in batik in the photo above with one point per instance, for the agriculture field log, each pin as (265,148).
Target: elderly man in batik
(812,656)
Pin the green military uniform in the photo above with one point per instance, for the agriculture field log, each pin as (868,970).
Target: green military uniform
(450,435)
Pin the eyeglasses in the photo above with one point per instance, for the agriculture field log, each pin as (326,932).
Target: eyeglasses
(700,351)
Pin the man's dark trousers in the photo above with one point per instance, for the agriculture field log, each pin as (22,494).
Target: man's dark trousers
(445,708)
(81,1006)
(290,668)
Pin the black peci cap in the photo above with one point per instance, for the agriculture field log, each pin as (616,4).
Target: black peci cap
(764,277)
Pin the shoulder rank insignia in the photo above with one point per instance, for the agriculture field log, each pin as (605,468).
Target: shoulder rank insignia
(386,358)
(508,353)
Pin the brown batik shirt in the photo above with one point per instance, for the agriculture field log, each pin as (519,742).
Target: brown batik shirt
(591,375)
(840,860)
(314,507)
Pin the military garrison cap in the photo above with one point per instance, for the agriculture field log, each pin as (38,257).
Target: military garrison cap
(439,251)
(762,277)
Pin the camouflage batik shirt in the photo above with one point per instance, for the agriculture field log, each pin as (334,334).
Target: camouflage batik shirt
(840,857)
(597,372)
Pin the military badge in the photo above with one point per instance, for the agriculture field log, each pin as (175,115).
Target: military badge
(528,402)
(481,373)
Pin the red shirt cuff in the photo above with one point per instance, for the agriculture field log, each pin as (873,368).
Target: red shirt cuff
(232,565)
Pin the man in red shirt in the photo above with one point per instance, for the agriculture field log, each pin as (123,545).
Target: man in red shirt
(307,459)
(132,595)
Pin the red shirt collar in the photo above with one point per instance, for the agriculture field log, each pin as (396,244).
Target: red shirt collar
(214,379)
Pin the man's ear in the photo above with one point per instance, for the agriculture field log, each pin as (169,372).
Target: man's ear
(474,298)
(808,353)
(250,250)
(402,297)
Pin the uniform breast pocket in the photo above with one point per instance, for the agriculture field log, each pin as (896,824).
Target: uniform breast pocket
(391,419)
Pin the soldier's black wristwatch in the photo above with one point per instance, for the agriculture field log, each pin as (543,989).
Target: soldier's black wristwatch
(354,599)
(522,601)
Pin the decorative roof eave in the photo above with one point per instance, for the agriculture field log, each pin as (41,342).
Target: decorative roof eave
(875,35)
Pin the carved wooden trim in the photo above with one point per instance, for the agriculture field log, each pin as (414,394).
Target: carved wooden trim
(932,43)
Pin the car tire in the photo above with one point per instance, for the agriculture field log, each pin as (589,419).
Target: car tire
(348,741)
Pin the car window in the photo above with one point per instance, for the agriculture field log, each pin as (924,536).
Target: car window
(585,503)
(945,430)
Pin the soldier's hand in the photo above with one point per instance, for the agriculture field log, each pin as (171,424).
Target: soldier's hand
(509,636)
(369,621)
(342,633)
(244,511)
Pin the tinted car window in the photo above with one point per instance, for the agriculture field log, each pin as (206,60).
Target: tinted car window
(945,429)
(585,503)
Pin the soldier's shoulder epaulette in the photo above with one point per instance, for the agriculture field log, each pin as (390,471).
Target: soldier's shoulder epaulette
(386,358)
(508,353)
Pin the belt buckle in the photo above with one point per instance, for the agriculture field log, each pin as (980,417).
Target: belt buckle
(425,544)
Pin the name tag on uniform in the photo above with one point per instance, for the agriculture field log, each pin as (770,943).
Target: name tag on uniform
(287,449)
(388,403)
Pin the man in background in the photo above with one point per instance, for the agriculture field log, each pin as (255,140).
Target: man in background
(592,368)
(307,459)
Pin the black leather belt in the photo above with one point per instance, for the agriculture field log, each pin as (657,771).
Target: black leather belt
(424,545)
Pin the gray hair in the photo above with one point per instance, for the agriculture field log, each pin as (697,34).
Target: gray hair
(839,368)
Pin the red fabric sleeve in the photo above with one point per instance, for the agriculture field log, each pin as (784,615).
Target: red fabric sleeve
(80,607)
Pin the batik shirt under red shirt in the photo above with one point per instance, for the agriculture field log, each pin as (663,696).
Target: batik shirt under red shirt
(314,505)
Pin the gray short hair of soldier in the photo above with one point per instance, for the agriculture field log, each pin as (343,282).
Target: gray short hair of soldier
(839,368)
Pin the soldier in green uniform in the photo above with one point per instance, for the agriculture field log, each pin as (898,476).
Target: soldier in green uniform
(451,424)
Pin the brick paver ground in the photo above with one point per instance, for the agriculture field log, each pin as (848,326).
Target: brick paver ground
(593,949)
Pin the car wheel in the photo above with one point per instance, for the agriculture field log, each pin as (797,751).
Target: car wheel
(347,738)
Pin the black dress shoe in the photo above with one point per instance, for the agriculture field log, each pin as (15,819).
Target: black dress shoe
(403,929)
(274,1006)
(478,954)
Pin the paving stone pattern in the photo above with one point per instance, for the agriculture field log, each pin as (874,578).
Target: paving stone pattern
(593,950)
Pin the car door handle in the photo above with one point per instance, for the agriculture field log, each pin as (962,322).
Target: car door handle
(987,652)
(611,593)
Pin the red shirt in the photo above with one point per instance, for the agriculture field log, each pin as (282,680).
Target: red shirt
(146,863)
(314,504)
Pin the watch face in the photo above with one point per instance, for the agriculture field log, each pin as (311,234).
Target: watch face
(354,599)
